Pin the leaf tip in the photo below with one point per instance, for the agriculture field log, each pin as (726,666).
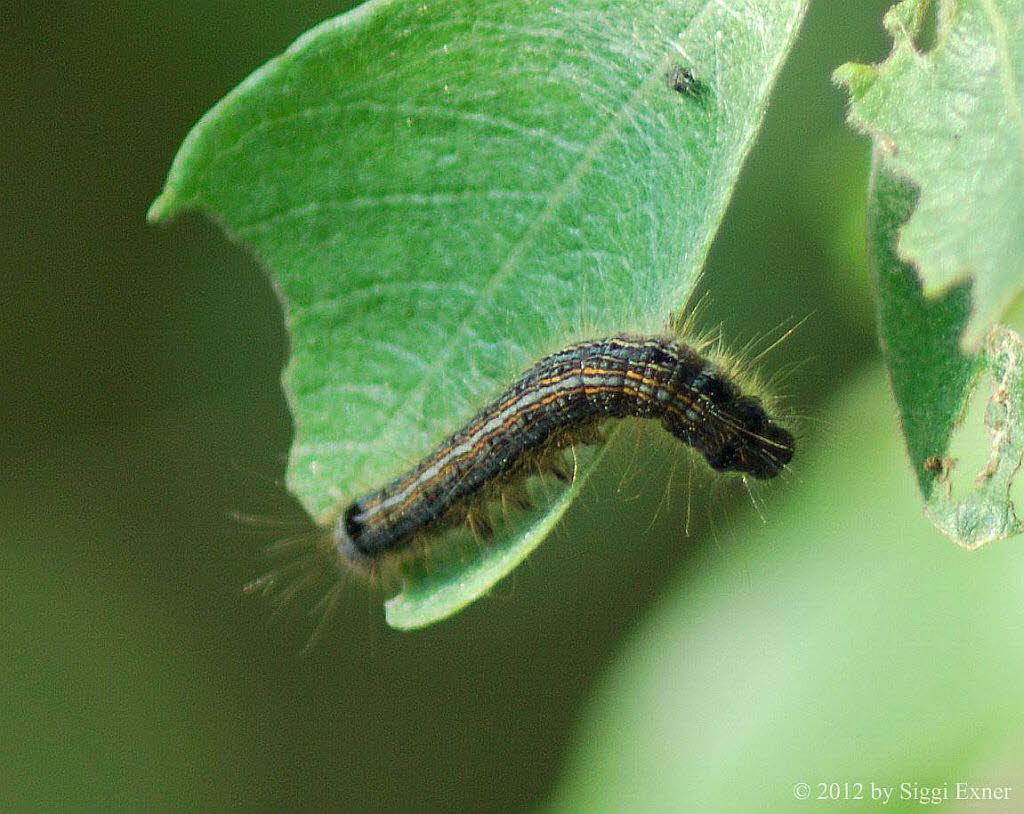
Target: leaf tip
(162,208)
(855,77)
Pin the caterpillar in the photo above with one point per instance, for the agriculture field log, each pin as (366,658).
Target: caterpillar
(562,400)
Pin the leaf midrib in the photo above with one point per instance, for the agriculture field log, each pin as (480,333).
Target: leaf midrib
(521,246)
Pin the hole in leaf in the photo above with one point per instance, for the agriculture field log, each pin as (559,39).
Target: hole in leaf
(969,447)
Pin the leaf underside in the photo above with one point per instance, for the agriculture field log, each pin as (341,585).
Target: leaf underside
(933,381)
(444,192)
(946,235)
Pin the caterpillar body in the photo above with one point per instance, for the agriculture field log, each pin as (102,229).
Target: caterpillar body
(562,400)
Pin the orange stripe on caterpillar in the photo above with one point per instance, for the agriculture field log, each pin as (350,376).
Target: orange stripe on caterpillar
(567,394)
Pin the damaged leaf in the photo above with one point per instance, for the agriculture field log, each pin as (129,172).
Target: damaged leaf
(951,121)
(444,192)
(933,380)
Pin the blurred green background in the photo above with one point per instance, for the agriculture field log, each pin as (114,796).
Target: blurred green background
(617,669)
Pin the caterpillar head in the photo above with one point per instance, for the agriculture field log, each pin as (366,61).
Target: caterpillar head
(754,444)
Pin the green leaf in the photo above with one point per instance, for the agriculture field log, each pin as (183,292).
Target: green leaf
(445,191)
(434,591)
(952,122)
(946,234)
(931,377)
(986,513)
(838,641)
(933,380)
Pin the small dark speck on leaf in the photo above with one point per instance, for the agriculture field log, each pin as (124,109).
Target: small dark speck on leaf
(942,469)
(682,81)
(933,463)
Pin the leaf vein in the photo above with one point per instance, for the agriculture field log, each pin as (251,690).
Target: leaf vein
(520,247)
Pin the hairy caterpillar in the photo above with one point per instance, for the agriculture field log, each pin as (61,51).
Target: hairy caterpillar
(561,400)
